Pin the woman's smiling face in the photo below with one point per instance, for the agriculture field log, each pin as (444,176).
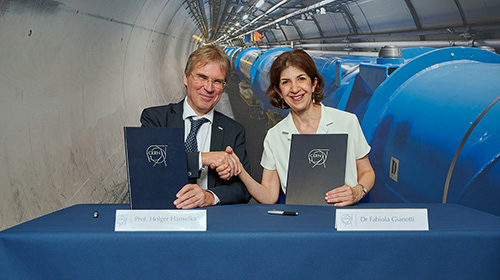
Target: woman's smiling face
(296,88)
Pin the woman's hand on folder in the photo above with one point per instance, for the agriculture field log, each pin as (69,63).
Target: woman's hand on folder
(343,196)
(347,195)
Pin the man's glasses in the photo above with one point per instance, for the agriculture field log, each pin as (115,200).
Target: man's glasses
(202,79)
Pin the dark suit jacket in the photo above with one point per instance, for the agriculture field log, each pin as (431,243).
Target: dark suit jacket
(225,132)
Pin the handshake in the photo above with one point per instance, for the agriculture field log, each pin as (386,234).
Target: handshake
(226,163)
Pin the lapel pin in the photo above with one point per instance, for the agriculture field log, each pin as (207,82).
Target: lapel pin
(220,128)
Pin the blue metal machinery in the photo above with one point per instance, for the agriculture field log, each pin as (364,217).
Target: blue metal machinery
(434,130)
(431,116)
(244,61)
(259,75)
(232,53)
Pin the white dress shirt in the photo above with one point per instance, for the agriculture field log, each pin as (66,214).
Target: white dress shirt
(203,138)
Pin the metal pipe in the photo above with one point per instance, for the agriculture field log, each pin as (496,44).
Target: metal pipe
(401,44)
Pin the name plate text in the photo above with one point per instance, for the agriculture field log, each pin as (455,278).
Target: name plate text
(161,220)
(381,219)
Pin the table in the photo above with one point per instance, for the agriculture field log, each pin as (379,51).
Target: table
(244,242)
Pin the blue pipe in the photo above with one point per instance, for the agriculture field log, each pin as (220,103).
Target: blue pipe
(259,76)
(422,117)
(244,61)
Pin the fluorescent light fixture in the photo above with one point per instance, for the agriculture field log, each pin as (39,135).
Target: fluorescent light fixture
(297,12)
(259,4)
(197,38)
(245,17)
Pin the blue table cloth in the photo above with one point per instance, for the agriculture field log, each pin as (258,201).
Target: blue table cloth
(244,242)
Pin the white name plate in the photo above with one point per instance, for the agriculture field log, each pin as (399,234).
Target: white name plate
(161,220)
(381,219)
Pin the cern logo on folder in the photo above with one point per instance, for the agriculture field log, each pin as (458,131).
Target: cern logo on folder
(318,157)
(157,154)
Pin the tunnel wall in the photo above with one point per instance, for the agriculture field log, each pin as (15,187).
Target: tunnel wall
(72,75)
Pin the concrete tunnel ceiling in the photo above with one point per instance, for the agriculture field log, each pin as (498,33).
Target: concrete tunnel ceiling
(75,72)
(345,24)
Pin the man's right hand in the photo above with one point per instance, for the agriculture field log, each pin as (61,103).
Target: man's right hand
(225,162)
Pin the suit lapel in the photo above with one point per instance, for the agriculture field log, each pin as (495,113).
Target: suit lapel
(216,145)
(217,134)
(174,117)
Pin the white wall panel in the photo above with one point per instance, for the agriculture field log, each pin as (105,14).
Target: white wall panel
(308,28)
(433,14)
(333,24)
(290,32)
(481,12)
(379,16)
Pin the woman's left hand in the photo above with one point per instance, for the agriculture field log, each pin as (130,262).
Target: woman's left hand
(344,196)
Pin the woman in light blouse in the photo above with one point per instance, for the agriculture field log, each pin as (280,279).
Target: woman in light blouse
(297,84)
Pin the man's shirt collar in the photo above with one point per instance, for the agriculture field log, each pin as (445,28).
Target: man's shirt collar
(189,112)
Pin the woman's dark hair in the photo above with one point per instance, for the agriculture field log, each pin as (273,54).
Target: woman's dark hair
(299,59)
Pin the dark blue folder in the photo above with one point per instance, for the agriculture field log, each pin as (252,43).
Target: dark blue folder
(156,165)
(316,166)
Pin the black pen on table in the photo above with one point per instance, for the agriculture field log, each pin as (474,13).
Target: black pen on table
(281,212)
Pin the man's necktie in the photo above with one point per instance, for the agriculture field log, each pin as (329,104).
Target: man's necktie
(191,142)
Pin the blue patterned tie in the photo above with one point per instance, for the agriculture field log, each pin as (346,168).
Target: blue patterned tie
(191,143)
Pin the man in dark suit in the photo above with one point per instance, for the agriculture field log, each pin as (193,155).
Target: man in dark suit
(205,78)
